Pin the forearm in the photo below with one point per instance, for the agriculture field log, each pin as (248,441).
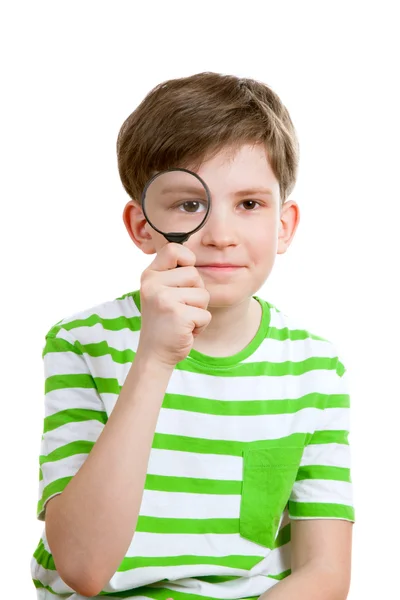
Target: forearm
(311,582)
(90,530)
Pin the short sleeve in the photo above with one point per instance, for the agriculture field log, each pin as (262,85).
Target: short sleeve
(74,414)
(323,488)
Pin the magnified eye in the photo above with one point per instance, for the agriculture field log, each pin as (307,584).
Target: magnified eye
(190,206)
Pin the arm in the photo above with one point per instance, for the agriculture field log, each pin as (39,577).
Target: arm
(321,507)
(321,562)
(90,525)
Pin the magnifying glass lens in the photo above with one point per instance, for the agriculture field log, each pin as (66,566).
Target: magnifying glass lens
(176,202)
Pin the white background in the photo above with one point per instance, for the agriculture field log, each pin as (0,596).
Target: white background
(71,73)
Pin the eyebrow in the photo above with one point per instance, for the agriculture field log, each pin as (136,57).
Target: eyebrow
(189,190)
(251,191)
(248,192)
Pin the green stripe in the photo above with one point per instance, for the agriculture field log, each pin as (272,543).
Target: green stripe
(44,558)
(116,324)
(321,509)
(81,447)
(187,526)
(61,381)
(103,349)
(59,345)
(322,472)
(73,415)
(218,578)
(253,407)
(191,485)
(164,441)
(281,576)
(232,562)
(284,536)
(262,368)
(331,436)
(39,585)
(52,488)
(285,333)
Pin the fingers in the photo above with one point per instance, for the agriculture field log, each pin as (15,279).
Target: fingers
(171,255)
(183,277)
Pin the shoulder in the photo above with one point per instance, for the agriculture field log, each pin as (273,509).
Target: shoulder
(115,314)
(299,340)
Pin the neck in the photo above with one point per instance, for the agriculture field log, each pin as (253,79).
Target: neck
(231,329)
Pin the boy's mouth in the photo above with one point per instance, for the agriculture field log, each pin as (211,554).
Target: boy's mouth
(220,265)
(220,268)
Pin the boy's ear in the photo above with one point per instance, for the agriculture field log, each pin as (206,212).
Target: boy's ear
(138,228)
(289,220)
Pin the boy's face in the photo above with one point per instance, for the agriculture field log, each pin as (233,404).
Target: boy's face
(246,230)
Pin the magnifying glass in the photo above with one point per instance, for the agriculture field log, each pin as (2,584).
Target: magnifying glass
(176,203)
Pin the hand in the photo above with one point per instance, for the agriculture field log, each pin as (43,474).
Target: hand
(173,305)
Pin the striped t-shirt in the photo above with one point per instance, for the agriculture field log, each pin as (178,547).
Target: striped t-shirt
(243,444)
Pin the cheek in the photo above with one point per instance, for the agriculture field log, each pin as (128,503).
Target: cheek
(158,239)
(263,245)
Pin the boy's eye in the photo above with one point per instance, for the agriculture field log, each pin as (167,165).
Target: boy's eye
(249,204)
(191,206)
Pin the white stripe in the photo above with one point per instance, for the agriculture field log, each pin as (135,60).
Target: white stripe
(278,351)
(232,428)
(67,398)
(120,340)
(65,467)
(277,561)
(175,544)
(281,320)
(180,505)
(111,309)
(261,387)
(64,363)
(331,455)
(72,432)
(322,490)
(175,463)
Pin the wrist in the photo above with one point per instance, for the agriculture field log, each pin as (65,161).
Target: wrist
(151,363)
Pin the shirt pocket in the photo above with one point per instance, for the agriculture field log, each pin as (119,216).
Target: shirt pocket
(268,478)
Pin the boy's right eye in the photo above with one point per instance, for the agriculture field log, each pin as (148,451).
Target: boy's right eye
(191,206)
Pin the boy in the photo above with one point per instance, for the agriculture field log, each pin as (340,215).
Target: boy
(196,439)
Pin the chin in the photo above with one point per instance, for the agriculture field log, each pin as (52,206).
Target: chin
(225,298)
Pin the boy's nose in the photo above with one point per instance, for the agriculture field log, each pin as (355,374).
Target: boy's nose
(220,229)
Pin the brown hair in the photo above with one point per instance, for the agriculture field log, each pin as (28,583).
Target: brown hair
(185,121)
